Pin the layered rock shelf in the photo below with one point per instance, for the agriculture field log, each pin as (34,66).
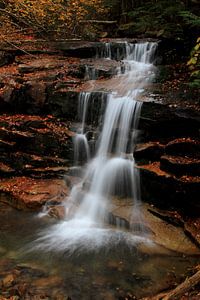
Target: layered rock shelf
(39,95)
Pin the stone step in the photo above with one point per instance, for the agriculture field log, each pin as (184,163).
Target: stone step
(179,165)
(168,191)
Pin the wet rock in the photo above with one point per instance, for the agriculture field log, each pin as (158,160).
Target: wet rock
(48,282)
(63,102)
(179,165)
(6,169)
(168,191)
(37,92)
(27,88)
(57,212)
(149,151)
(77,48)
(8,281)
(99,68)
(158,121)
(184,147)
(152,223)
(170,50)
(27,140)
(6,146)
(6,58)
(190,225)
(31,194)
(39,65)
(192,229)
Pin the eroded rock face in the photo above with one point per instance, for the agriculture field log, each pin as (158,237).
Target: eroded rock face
(35,146)
(166,229)
(170,175)
(41,147)
(161,122)
(180,165)
(167,191)
(31,194)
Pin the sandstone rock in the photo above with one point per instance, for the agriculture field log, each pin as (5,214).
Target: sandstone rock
(57,212)
(6,58)
(168,191)
(8,281)
(6,169)
(31,194)
(149,151)
(192,229)
(99,68)
(158,121)
(34,145)
(179,165)
(39,65)
(77,48)
(184,147)
(166,235)
(37,92)
(62,103)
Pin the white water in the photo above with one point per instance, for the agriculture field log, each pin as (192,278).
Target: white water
(104,51)
(81,146)
(112,171)
(90,73)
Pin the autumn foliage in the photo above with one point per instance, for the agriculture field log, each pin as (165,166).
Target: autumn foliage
(51,17)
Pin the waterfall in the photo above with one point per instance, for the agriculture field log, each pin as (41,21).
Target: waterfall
(104,51)
(81,146)
(112,171)
(90,73)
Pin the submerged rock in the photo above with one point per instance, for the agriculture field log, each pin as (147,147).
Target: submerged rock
(164,228)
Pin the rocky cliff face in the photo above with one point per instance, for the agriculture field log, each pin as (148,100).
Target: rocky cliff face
(39,98)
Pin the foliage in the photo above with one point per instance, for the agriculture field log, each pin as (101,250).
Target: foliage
(166,18)
(190,18)
(57,17)
(194,65)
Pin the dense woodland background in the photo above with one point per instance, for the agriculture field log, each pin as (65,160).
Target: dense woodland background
(175,21)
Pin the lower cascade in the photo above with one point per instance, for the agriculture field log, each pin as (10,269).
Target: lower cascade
(111,172)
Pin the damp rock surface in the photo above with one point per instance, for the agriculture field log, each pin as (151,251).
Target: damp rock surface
(25,193)
(39,96)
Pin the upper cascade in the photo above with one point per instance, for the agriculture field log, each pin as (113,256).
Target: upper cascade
(140,52)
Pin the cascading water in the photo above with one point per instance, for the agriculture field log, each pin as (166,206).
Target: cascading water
(81,147)
(112,170)
(104,51)
(90,73)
